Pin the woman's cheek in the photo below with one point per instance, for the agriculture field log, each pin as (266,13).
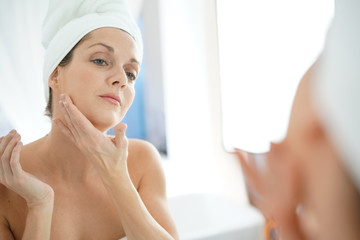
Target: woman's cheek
(130,95)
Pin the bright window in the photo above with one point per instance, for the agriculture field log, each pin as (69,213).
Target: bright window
(265,47)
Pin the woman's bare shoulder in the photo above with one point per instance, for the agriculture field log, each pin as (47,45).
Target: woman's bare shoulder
(32,146)
(28,153)
(4,192)
(143,159)
(143,151)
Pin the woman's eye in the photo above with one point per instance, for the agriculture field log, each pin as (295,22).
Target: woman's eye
(100,62)
(131,76)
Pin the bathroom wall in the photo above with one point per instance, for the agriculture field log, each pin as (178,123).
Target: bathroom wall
(188,58)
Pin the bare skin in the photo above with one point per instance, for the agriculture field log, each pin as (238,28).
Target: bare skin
(83,208)
(83,183)
(95,218)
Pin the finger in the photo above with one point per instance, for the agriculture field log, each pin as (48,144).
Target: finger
(253,178)
(63,128)
(15,159)
(5,158)
(289,224)
(254,181)
(120,137)
(79,123)
(11,144)
(241,156)
(65,104)
(79,119)
(3,143)
(248,171)
(67,119)
(6,140)
(252,161)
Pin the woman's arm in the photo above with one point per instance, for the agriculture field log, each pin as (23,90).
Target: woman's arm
(109,157)
(38,221)
(144,212)
(38,195)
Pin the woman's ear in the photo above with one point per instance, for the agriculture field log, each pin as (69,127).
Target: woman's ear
(54,80)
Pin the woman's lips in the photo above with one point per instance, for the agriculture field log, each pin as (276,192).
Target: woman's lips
(112,98)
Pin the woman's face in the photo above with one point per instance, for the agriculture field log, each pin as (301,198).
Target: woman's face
(101,75)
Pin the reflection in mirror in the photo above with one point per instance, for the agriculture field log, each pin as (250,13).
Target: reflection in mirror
(116,185)
(21,91)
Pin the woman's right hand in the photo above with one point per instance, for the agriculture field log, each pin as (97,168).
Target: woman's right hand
(278,186)
(34,191)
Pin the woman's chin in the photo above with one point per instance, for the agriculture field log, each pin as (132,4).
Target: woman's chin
(103,120)
(105,124)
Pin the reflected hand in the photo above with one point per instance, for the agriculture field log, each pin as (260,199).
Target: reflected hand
(107,154)
(34,191)
(254,177)
(278,187)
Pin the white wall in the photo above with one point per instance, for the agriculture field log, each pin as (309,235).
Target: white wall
(196,160)
(262,59)
(21,89)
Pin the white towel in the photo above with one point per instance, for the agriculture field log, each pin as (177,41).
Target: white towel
(337,84)
(67,21)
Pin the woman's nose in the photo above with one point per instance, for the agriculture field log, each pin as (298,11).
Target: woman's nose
(119,78)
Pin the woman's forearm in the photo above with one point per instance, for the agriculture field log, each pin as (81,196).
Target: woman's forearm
(38,221)
(136,219)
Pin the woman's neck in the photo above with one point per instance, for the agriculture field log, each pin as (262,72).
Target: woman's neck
(63,159)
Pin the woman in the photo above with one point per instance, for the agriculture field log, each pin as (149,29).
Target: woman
(311,185)
(77,182)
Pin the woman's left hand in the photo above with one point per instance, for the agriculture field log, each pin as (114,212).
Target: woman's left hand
(107,154)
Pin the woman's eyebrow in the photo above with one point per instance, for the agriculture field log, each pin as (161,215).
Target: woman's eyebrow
(110,49)
(133,60)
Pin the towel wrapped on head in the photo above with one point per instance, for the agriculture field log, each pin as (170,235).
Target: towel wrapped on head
(68,21)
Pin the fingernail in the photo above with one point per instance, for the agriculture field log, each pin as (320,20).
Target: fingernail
(12,131)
